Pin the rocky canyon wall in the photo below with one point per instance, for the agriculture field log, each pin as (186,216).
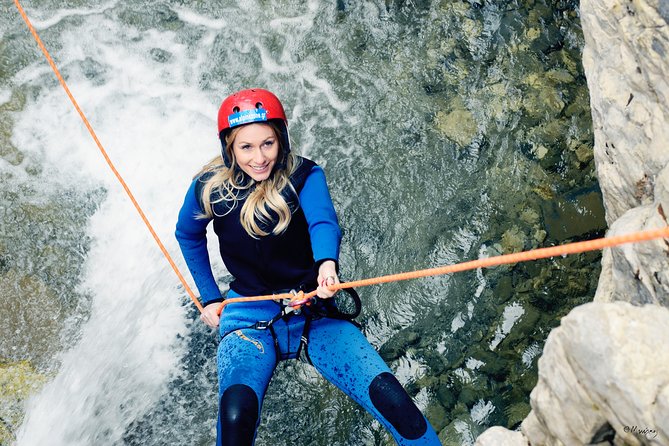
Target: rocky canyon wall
(603,375)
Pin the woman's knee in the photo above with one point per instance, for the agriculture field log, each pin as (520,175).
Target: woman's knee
(239,412)
(395,405)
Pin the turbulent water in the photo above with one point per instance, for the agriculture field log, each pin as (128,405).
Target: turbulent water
(447,130)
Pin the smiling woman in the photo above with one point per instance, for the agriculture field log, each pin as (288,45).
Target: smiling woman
(285,237)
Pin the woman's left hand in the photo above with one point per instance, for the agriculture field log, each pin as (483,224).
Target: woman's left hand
(327,275)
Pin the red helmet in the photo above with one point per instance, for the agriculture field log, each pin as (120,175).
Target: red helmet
(248,106)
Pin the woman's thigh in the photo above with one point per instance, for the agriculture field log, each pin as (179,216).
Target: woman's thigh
(344,356)
(246,356)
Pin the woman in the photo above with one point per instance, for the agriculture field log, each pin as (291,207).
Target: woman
(277,231)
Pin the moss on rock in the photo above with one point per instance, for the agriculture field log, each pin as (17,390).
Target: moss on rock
(18,380)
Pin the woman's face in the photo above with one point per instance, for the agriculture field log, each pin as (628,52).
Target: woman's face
(256,149)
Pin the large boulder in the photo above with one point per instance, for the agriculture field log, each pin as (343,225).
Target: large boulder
(602,377)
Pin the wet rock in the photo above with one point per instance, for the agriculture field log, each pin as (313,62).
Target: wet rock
(31,319)
(580,107)
(567,60)
(449,436)
(160,55)
(162,17)
(575,214)
(541,97)
(94,71)
(529,216)
(11,154)
(458,125)
(526,324)
(18,380)
(516,413)
(494,366)
(513,240)
(560,76)
(33,168)
(8,151)
(539,236)
(504,290)
(17,102)
(584,153)
(446,396)
(468,396)
(544,191)
(397,345)
(437,416)
(502,101)
(540,151)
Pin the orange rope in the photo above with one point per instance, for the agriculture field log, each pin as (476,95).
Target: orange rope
(106,157)
(534,254)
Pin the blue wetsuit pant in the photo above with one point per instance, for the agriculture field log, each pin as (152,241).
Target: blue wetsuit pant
(247,358)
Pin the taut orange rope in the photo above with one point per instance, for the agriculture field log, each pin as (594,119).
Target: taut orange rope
(542,253)
(106,157)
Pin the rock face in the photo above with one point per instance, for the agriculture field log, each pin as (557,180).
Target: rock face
(600,379)
(626,60)
(602,375)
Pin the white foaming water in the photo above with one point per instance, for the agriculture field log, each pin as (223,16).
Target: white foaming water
(158,131)
(54,19)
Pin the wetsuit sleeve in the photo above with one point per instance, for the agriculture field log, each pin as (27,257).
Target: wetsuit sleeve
(321,217)
(191,233)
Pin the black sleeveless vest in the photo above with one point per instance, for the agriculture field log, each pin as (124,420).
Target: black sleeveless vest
(273,262)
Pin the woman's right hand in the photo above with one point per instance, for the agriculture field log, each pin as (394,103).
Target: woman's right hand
(210,314)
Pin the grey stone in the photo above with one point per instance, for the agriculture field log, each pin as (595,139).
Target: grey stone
(499,436)
(604,365)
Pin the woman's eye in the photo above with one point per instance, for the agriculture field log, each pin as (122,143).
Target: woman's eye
(245,147)
(269,143)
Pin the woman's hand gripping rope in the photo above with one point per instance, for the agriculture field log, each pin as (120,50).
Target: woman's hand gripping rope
(211,315)
(327,276)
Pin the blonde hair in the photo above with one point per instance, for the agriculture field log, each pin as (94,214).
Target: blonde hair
(264,204)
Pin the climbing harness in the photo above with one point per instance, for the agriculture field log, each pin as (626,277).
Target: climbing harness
(343,308)
(301,299)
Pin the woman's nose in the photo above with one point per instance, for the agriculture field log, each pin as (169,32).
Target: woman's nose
(258,156)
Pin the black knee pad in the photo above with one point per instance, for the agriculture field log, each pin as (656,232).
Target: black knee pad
(238,415)
(395,404)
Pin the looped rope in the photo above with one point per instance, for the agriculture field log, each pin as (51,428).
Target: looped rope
(299,299)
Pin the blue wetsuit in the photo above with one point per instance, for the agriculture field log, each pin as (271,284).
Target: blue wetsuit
(247,356)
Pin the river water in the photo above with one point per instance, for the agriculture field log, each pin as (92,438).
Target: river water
(448,130)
